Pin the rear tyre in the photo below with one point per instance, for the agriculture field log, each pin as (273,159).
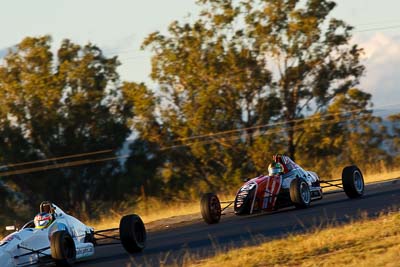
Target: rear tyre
(132,233)
(300,193)
(210,208)
(353,181)
(62,248)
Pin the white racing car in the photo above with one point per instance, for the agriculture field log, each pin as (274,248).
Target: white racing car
(56,237)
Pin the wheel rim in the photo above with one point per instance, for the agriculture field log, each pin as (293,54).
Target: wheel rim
(215,208)
(358,181)
(305,192)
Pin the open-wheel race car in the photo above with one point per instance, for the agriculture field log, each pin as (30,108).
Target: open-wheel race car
(287,184)
(54,237)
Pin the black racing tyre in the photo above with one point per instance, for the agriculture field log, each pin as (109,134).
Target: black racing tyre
(300,193)
(132,233)
(210,208)
(353,181)
(62,248)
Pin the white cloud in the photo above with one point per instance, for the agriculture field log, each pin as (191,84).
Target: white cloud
(382,61)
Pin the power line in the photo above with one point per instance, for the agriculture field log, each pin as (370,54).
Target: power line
(379,28)
(60,165)
(214,139)
(56,158)
(253,127)
(386,21)
(116,52)
(205,142)
(211,134)
(269,132)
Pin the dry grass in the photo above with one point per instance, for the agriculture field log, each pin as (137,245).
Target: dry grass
(371,242)
(155,210)
(155,213)
(376,177)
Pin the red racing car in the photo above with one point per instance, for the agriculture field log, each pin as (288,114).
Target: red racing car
(286,184)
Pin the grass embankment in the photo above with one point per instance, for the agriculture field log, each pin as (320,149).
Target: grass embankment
(370,242)
(377,177)
(155,210)
(155,213)
(151,211)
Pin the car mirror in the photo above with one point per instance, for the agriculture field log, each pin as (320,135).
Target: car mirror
(10,228)
(246,179)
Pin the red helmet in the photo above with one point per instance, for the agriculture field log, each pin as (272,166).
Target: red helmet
(42,220)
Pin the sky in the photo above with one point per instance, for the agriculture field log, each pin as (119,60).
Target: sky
(118,27)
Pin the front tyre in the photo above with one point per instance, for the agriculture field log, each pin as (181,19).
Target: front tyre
(62,248)
(353,181)
(210,208)
(132,233)
(300,193)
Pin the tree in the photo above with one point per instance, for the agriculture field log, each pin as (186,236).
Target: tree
(312,65)
(243,75)
(345,133)
(56,107)
(395,137)
(206,87)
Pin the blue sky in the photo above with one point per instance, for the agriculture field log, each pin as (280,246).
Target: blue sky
(119,26)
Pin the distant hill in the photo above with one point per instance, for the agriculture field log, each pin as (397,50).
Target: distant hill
(3,52)
(385,112)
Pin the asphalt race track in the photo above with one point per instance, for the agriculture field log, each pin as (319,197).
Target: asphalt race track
(170,246)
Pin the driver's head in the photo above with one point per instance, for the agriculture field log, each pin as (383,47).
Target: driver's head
(42,220)
(277,157)
(275,168)
(46,207)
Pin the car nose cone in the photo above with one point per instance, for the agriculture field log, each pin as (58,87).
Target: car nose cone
(5,259)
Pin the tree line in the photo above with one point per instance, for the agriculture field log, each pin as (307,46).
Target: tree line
(245,80)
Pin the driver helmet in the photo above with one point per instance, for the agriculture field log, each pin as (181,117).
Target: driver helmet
(42,220)
(275,168)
